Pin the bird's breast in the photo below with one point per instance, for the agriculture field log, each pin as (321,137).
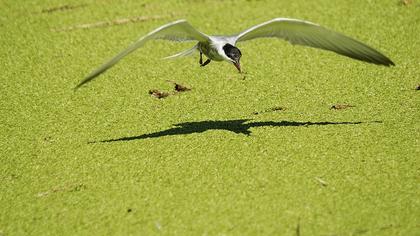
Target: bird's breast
(210,51)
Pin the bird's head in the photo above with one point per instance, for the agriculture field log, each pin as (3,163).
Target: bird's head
(234,55)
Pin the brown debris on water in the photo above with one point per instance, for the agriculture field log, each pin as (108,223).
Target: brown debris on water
(179,87)
(272,109)
(340,106)
(277,108)
(158,94)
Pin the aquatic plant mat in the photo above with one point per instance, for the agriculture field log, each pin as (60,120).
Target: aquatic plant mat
(304,142)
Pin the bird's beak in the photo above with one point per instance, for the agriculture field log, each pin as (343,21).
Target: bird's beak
(237,65)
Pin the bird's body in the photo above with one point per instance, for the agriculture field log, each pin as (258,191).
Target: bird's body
(223,48)
(211,49)
(214,49)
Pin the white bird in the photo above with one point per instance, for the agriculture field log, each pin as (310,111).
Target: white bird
(223,48)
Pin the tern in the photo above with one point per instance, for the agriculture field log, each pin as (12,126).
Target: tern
(223,48)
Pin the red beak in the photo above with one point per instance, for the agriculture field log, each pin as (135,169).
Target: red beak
(238,66)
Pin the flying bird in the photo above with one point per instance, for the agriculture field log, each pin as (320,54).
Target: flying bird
(223,48)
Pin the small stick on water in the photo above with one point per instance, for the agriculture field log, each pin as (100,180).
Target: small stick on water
(340,106)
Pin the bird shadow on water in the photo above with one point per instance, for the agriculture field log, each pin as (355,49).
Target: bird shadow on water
(240,126)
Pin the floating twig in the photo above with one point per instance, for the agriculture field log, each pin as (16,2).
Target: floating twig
(321,181)
(109,23)
(340,106)
(67,188)
(272,109)
(62,8)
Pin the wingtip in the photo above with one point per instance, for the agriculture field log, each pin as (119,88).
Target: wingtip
(292,19)
(388,63)
(77,87)
(391,63)
(81,83)
(180,20)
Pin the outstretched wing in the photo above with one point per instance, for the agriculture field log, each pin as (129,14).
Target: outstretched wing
(179,30)
(312,35)
(183,53)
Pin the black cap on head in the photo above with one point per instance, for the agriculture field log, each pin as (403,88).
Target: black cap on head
(232,52)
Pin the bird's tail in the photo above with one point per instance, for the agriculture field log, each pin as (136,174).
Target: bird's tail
(183,53)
